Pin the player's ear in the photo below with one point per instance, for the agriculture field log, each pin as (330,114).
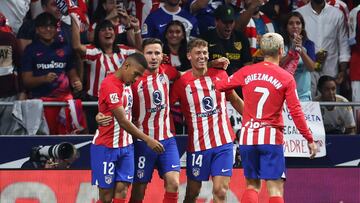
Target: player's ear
(188,56)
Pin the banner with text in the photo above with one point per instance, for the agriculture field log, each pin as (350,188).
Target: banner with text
(295,145)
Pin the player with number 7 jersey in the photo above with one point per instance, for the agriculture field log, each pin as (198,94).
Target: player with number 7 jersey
(265,87)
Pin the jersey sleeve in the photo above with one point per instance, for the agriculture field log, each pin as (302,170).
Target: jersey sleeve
(231,82)
(148,28)
(91,53)
(171,72)
(296,112)
(175,92)
(111,95)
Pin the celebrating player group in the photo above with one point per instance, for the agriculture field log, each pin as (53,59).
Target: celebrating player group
(135,101)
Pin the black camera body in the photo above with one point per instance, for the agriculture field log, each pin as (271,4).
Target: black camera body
(39,155)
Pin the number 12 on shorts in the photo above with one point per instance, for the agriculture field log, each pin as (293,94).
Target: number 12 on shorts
(197,160)
(108,168)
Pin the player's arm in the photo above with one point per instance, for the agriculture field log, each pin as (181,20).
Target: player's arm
(75,36)
(235,101)
(221,63)
(124,123)
(229,83)
(297,114)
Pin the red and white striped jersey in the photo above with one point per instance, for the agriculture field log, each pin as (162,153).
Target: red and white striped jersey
(113,94)
(151,102)
(142,8)
(204,109)
(100,65)
(265,87)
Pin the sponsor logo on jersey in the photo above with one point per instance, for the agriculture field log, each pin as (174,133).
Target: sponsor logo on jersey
(238,45)
(157,97)
(207,104)
(51,65)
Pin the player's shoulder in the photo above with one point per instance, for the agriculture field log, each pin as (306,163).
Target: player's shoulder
(216,72)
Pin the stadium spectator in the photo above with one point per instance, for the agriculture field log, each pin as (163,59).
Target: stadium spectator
(175,45)
(155,23)
(15,11)
(101,58)
(141,9)
(210,147)
(47,69)
(127,28)
(254,23)
(112,151)
(354,38)
(337,119)
(224,41)
(203,10)
(9,80)
(325,26)
(296,40)
(27,32)
(265,87)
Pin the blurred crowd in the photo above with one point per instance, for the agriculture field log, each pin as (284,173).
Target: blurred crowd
(45,55)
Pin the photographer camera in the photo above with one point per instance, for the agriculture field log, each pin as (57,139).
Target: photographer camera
(59,156)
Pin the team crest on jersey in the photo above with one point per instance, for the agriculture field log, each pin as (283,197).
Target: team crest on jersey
(157,97)
(208,103)
(162,78)
(196,172)
(60,52)
(140,173)
(108,179)
(114,98)
(238,45)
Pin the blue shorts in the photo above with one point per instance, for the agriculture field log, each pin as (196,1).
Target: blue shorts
(146,160)
(110,165)
(215,162)
(263,161)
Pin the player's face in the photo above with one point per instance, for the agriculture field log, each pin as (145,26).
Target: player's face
(153,55)
(224,29)
(174,35)
(198,57)
(328,91)
(294,26)
(132,72)
(106,36)
(52,9)
(46,33)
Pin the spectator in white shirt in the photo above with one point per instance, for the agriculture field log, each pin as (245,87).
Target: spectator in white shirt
(325,26)
(15,11)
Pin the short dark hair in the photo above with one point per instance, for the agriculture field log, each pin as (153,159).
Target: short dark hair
(139,58)
(323,79)
(45,19)
(149,41)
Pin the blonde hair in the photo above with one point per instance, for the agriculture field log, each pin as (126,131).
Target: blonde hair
(270,44)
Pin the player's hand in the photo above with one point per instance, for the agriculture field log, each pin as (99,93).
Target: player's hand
(155,145)
(312,149)
(50,77)
(103,120)
(220,63)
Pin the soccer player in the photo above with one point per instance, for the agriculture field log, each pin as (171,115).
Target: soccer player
(151,114)
(112,155)
(265,87)
(210,148)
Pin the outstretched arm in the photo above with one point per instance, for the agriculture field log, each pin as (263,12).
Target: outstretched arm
(76,43)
